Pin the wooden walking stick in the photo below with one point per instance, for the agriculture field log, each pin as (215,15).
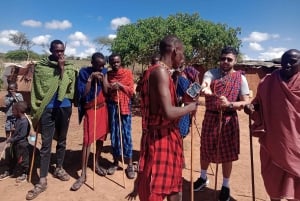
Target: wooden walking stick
(218,149)
(5,146)
(213,174)
(121,138)
(94,142)
(33,153)
(252,162)
(192,166)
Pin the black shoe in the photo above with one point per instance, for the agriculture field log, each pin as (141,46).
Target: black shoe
(224,194)
(200,184)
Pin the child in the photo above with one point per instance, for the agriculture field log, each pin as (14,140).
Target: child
(19,144)
(12,97)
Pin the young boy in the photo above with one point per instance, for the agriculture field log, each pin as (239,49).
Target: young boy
(19,144)
(11,97)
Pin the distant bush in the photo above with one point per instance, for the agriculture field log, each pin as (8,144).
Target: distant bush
(21,55)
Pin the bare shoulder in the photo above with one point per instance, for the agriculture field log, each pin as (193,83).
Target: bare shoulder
(159,73)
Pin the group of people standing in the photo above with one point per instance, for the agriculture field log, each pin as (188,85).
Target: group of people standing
(104,105)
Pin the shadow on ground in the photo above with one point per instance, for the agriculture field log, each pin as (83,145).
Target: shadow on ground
(207,194)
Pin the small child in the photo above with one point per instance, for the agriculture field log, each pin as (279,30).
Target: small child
(19,159)
(12,97)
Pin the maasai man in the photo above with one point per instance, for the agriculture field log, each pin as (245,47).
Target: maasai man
(160,164)
(276,123)
(154,61)
(88,78)
(225,90)
(120,93)
(53,88)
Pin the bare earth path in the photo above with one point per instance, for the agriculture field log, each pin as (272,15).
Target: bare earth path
(110,188)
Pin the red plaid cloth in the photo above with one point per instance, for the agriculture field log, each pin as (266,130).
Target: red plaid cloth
(229,142)
(229,146)
(161,154)
(228,86)
(101,120)
(125,77)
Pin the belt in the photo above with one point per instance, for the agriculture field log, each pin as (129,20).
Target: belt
(99,105)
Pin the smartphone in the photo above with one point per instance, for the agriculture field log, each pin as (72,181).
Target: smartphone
(194,90)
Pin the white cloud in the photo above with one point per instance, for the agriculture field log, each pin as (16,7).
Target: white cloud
(246,57)
(78,36)
(41,40)
(259,36)
(31,23)
(255,46)
(55,24)
(272,53)
(70,51)
(115,23)
(112,36)
(4,37)
(75,43)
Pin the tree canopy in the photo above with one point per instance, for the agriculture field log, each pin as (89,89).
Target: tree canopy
(203,40)
(21,55)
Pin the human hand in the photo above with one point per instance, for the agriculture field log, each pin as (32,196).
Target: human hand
(206,91)
(8,140)
(224,103)
(249,109)
(132,195)
(134,192)
(97,75)
(115,86)
(61,62)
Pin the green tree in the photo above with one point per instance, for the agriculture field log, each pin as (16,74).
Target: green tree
(203,39)
(21,55)
(21,40)
(103,41)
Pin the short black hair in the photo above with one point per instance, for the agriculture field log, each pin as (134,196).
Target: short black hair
(12,85)
(97,55)
(55,42)
(228,50)
(113,55)
(167,43)
(21,106)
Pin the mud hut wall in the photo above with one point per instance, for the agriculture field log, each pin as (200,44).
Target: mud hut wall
(254,75)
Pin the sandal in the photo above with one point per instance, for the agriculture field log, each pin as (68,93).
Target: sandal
(77,184)
(111,170)
(61,174)
(38,188)
(101,171)
(130,172)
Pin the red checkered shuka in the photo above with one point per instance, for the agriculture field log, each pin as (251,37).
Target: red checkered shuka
(125,77)
(229,146)
(161,155)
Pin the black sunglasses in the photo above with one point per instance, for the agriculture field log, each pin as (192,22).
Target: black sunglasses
(226,58)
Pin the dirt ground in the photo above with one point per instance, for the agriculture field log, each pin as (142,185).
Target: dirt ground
(114,188)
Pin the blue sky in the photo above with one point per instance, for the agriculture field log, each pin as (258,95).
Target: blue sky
(269,27)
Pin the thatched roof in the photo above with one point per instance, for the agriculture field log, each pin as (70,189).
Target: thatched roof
(259,64)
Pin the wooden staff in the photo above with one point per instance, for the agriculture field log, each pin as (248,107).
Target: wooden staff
(94,146)
(251,157)
(192,166)
(5,146)
(199,133)
(121,138)
(218,149)
(33,153)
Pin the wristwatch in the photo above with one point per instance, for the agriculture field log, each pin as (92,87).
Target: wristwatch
(230,106)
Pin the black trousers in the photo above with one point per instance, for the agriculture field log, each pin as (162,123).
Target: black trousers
(19,157)
(53,121)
